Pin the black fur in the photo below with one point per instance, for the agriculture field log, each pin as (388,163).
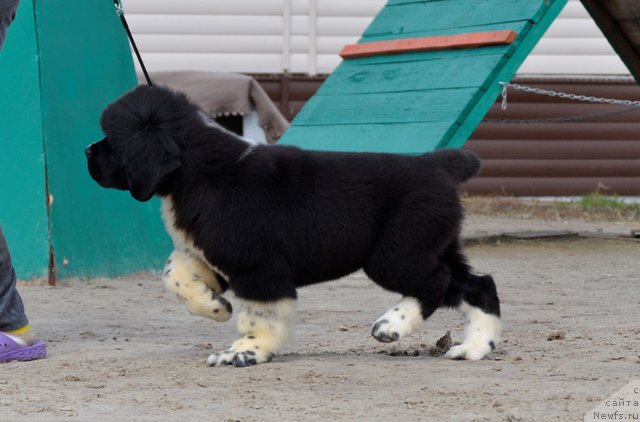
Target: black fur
(278,217)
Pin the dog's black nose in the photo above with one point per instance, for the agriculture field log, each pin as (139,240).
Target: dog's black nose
(87,151)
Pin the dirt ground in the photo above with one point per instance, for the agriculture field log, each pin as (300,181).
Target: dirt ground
(124,348)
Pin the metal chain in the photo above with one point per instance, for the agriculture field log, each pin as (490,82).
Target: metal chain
(635,105)
(575,97)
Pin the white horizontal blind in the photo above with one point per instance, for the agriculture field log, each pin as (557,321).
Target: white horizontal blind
(216,35)
(248,36)
(574,45)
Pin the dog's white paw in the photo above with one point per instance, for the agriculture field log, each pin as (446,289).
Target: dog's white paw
(470,351)
(209,305)
(400,321)
(238,359)
(244,352)
(265,327)
(482,333)
(385,331)
(196,286)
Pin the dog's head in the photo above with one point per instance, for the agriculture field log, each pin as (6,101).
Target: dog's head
(144,131)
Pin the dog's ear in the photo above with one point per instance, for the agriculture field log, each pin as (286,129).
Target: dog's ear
(150,157)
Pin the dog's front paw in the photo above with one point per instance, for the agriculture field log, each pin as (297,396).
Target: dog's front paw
(209,305)
(249,350)
(470,351)
(196,286)
(265,327)
(238,359)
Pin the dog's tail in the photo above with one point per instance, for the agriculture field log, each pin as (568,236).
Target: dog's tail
(460,164)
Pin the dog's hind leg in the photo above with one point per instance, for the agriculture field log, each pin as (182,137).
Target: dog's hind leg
(481,334)
(265,327)
(400,321)
(476,297)
(196,285)
(422,292)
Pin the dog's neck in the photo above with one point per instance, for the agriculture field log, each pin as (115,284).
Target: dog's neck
(228,140)
(212,151)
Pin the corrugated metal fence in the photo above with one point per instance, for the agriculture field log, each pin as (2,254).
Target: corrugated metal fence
(560,158)
(536,158)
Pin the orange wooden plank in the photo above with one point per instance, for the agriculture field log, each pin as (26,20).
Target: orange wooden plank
(441,42)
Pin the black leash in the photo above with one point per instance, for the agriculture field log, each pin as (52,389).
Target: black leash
(120,13)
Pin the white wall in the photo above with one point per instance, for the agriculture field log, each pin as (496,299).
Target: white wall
(574,45)
(305,36)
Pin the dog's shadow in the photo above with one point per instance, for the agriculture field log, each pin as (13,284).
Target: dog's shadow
(349,356)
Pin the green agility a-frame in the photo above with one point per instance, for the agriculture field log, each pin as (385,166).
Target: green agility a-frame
(63,62)
(415,102)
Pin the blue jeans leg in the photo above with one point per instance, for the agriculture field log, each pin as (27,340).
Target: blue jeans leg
(11,308)
(7,13)
(12,314)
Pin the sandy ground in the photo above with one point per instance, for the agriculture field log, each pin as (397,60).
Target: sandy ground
(125,348)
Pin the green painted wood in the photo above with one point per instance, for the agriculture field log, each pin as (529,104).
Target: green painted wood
(457,88)
(516,26)
(94,231)
(407,138)
(395,107)
(23,211)
(470,70)
(430,16)
(529,39)
(64,61)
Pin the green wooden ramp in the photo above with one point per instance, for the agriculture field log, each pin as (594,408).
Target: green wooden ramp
(419,101)
(63,62)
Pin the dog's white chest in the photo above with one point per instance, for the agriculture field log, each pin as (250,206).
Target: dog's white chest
(179,237)
(181,240)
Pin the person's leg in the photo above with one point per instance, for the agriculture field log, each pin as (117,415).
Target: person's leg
(12,316)
(7,14)
(17,342)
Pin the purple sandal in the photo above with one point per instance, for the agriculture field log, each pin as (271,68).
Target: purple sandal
(10,350)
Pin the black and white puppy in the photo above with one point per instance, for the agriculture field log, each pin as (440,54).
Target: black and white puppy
(270,219)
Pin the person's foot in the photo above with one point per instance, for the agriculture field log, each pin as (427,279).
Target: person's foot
(21,347)
(28,338)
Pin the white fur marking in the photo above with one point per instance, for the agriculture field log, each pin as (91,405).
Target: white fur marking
(265,326)
(480,331)
(181,239)
(196,285)
(400,321)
